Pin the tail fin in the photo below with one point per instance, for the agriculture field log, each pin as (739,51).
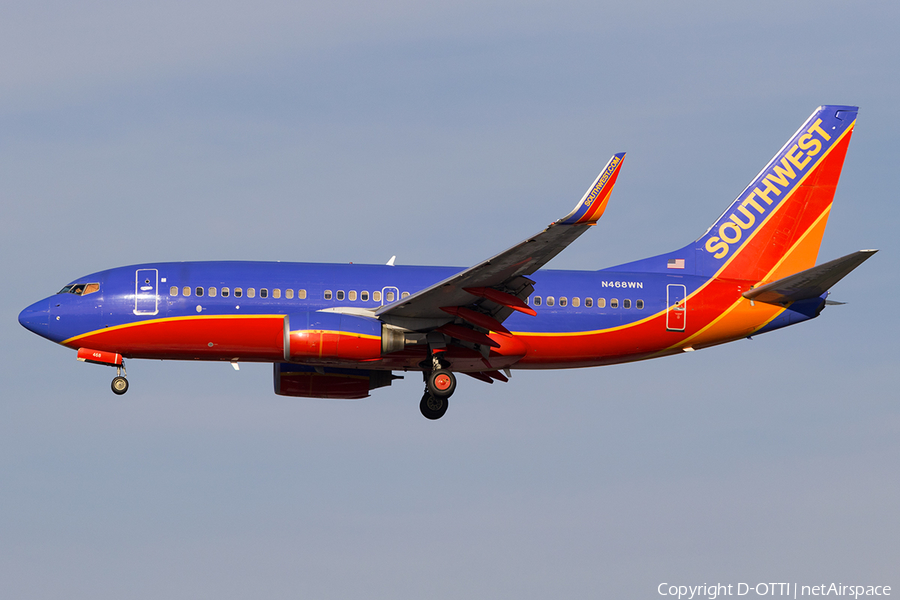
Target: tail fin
(774,227)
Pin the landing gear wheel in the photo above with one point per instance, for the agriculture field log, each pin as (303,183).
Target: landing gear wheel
(432,408)
(441,383)
(119,385)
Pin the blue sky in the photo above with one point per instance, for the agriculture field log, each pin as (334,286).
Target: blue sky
(440,134)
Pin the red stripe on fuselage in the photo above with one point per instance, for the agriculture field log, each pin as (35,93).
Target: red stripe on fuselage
(251,337)
(650,338)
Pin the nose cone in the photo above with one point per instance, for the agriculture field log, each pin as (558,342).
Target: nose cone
(36,318)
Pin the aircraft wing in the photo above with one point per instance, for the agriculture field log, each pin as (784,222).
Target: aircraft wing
(499,285)
(809,283)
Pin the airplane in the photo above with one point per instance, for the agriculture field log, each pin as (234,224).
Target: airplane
(340,331)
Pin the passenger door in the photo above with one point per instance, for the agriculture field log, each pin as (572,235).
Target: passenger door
(146,298)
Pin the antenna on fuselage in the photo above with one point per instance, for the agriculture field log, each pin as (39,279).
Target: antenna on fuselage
(390,263)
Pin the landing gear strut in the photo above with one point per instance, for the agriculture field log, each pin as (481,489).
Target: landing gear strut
(440,383)
(119,383)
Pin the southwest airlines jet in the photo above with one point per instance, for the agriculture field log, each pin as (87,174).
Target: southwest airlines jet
(339,331)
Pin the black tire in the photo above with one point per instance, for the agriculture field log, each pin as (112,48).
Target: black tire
(432,408)
(119,385)
(441,383)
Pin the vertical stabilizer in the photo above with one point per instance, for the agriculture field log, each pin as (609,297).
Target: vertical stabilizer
(775,226)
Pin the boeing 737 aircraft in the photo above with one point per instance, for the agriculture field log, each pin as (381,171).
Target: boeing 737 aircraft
(339,331)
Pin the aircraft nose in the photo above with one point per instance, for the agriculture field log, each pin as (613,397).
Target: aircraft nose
(36,318)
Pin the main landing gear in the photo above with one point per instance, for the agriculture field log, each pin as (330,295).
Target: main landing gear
(432,408)
(119,383)
(440,383)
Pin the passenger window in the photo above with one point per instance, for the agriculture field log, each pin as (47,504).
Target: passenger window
(563,301)
(364,296)
(588,302)
(352,295)
(263,293)
(327,294)
(301,294)
(225,292)
(212,292)
(537,300)
(614,303)
(288,294)
(550,301)
(403,295)
(639,304)
(199,292)
(340,295)
(376,296)
(576,301)
(238,292)
(276,293)
(626,303)
(173,291)
(186,291)
(251,292)
(389,296)
(601,302)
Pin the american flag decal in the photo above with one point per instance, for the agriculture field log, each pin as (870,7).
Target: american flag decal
(676,263)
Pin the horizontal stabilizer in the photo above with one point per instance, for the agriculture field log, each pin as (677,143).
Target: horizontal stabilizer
(809,283)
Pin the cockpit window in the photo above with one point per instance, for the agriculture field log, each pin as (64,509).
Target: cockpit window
(80,289)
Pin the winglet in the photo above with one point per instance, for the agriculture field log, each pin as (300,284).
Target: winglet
(594,202)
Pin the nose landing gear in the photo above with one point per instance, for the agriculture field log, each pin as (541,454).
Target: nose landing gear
(111,359)
(119,383)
